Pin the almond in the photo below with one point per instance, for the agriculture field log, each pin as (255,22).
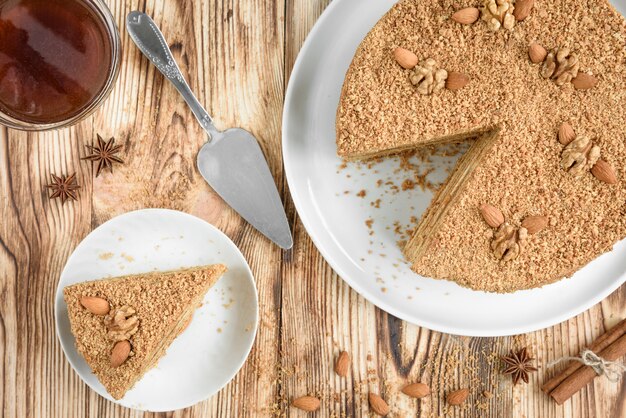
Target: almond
(492,215)
(584,81)
(566,133)
(457,397)
(96,306)
(523,9)
(466,16)
(378,404)
(342,364)
(456,80)
(535,224)
(121,351)
(537,53)
(416,390)
(604,172)
(306,403)
(405,58)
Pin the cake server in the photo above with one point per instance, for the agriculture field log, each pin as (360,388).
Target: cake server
(231,161)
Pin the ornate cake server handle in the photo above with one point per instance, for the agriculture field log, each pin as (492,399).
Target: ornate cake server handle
(151,42)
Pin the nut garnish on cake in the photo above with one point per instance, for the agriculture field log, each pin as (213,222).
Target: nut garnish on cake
(580,155)
(560,65)
(509,242)
(122,323)
(428,78)
(499,14)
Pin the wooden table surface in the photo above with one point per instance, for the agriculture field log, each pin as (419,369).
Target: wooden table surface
(237,56)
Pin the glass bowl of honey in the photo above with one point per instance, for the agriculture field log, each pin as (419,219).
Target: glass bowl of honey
(59,60)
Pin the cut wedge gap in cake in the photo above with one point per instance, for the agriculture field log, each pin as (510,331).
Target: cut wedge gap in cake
(145,312)
(447,195)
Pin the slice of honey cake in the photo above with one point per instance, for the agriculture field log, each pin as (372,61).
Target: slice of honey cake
(124,325)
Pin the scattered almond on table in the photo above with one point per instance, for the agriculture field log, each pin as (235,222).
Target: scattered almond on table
(416,390)
(342,364)
(378,404)
(457,397)
(306,403)
(518,364)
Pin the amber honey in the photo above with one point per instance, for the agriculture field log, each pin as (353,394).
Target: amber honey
(55,58)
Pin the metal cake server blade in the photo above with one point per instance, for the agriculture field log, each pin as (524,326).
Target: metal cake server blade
(232,161)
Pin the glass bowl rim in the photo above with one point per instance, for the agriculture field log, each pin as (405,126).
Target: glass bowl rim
(113,32)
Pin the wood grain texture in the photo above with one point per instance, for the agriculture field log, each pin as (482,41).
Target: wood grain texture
(237,57)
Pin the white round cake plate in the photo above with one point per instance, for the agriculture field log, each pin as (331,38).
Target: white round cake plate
(372,264)
(204,358)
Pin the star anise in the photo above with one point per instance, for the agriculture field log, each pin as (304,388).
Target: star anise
(518,364)
(104,154)
(64,187)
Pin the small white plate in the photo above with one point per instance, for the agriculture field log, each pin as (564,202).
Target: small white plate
(373,264)
(204,358)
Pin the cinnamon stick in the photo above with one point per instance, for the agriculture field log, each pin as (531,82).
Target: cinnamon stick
(598,345)
(581,377)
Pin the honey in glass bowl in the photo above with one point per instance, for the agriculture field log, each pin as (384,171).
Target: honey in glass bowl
(58,59)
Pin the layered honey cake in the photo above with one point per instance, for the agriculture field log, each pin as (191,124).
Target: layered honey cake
(124,325)
(541,192)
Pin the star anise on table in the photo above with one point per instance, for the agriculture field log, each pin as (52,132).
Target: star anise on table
(64,187)
(518,364)
(103,153)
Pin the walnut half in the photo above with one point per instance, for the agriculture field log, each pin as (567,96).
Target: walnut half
(508,242)
(580,155)
(561,66)
(428,78)
(122,323)
(498,13)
